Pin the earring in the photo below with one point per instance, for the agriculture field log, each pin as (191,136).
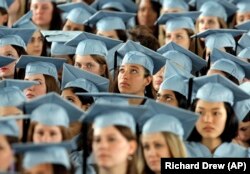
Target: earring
(130,157)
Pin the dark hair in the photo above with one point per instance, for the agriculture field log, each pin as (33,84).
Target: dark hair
(122,35)
(182,100)
(20,50)
(57,168)
(84,99)
(3,12)
(231,78)
(231,126)
(51,84)
(56,22)
(21,72)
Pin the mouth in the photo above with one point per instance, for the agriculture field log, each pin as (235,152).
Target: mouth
(124,84)
(29,96)
(4,69)
(208,128)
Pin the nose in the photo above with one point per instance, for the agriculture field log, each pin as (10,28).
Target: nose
(46,138)
(207,118)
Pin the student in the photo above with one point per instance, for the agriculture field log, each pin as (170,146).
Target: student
(41,69)
(9,134)
(4,5)
(77,14)
(91,52)
(229,66)
(110,24)
(114,136)
(51,119)
(45,158)
(46,14)
(217,124)
(162,134)
(135,72)
(243,11)
(75,80)
(13,44)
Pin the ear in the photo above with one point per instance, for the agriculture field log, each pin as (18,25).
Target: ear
(103,69)
(132,147)
(5,18)
(147,80)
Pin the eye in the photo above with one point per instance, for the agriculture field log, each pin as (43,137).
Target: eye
(111,139)
(179,36)
(89,65)
(134,71)
(168,36)
(158,145)
(78,65)
(121,70)
(145,146)
(216,113)
(96,139)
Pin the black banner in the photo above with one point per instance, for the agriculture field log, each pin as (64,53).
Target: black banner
(199,165)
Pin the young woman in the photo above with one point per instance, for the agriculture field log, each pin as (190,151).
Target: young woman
(41,69)
(217,124)
(135,72)
(243,12)
(46,15)
(162,135)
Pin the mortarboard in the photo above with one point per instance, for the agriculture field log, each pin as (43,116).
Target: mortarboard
(134,53)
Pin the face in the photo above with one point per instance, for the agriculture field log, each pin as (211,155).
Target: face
(131,79)
(35,45)
(242,17)
(47,134)
(8,51)
(214,71)
(180,37)
(40,169)
(146,14)
(167,97)
(88,63)
(70,96)
(3,19)
(111,148)
(244,131)
(208,22)
(36,90)
(111,34)
(157,79)
(42,13)
(212,119)
(155,147)
(6,156)
(71,26)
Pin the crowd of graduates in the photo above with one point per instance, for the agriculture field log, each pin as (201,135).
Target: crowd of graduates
(113,86)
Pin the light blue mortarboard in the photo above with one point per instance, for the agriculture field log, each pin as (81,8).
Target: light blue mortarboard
(182,57)
(6,60)
(91,44)
(40,65)
(244,41)
(59,36)
(35,154)
(77,12)
(106,114)
(59,48)
(163,118)
(242,5)
(111,58)
(8,125)
(244,54)
(121,5)
(53,100)
(108,20)
(25,22)
(219,38)
(107,97)
(15,36)
(6,3)
(227,62)
(218,8)
(175,21)
(175,4)
(11,91)
(244,25)
(216,88)
(75,77)
(134,53)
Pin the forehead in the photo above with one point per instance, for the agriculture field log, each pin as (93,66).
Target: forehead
(209,105)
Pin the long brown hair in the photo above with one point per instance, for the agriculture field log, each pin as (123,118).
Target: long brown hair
(51,84)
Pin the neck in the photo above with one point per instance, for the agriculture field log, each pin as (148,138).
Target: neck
(44,27)
(121,169)
(211,144)
(137,101)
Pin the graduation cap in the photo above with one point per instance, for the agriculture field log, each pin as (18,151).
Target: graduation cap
(108,20)
(134,53)
(6,3)
(49,153)
(244,54)
(216,88)
(6,60)
(175,21)
(25,21)
(88,44)
(8,125)
(120,5)
(219,38)
(75,77)
(59,36)
(15,36)
(77,12)
(40,65)
(163,118)
(226,62)
(175,4)
(220,8)
(242,5)
(59,48)
(106,114)
(244,41)
(244,25)
(183,57)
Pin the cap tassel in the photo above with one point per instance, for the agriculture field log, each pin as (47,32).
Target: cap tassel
(196,45)
(85,148)
(26,124)
(190,88)
(115,64)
